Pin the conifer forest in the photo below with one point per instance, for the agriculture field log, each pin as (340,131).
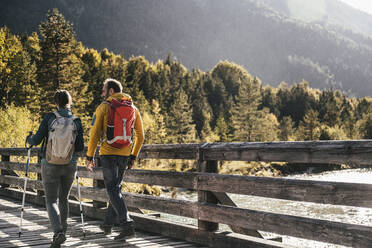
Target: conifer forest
(178,105)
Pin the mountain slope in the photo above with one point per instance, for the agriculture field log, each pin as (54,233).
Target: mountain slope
(331,12)
(253,33)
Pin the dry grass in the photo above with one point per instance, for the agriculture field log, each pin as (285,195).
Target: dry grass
(249,168)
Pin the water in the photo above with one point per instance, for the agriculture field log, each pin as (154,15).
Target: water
(345,214)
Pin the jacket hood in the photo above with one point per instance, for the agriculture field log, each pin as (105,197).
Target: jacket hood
(119,96)
(65,112)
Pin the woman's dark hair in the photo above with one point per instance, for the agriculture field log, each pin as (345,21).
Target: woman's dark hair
(113,84)
(62,98)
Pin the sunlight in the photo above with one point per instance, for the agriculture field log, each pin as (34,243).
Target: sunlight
(363,5)
(307,10)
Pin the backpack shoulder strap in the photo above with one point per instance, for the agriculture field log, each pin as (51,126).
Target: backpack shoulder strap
(108,103)
(73,117)
(57,114)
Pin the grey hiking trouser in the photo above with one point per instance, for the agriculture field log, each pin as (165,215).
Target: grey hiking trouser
(57,181)
(113,168)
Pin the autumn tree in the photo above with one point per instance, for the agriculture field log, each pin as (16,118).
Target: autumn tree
(17,72)
(60,65)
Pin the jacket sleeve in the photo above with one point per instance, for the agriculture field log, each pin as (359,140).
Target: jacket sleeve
(96,130)
(41,133)
(79,142)
(138,134)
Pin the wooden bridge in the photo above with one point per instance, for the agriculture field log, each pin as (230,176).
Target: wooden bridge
(214,206)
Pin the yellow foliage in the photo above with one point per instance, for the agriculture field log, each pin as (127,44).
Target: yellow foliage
(15,124)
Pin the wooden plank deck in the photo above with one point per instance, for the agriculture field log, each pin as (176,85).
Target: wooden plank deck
(36,231)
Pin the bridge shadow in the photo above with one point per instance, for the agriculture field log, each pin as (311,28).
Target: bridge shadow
(36,230)
(10,222)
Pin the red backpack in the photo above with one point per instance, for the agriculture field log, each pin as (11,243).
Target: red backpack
(120,123)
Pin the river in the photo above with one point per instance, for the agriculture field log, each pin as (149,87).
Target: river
(346,214)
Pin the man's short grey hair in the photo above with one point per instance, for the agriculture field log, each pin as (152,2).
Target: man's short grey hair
(113,84)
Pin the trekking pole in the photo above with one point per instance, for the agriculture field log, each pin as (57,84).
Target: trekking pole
(24,187)
(81,208)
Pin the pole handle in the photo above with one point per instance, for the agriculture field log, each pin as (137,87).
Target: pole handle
(29,135)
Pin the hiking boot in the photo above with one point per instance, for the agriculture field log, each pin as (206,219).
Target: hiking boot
(58,239)
(126,232)
(107,229)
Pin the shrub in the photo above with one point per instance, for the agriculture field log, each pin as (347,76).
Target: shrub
(15,123)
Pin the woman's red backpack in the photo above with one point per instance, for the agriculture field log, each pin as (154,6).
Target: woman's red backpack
(120,123)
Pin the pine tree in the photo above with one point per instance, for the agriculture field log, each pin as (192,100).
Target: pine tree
(206,133)
(156,133)
(202,112)
(181,128)
(221,130)
(266,126)
(60,65)
(286,129)
(136,80)
(135,76)
(296,101)
(231,75)
(94,76)
(161,84)
(348,119)
(363,105)
(365,126)
(269,100)
(97,68)
(310,126)
(114,66)
(217,98)
(244,114)
(32,98)
(330,106)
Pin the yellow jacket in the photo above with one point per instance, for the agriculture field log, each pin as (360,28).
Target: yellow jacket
(99,127)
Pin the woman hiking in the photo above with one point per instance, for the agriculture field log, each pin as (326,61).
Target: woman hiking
(63,137)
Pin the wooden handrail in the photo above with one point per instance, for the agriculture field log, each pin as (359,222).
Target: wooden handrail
(312,152)
(216,186)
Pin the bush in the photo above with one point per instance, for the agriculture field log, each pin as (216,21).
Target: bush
(332,133)
(364,126)
(15,123)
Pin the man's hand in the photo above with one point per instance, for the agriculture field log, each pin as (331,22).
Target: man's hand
(89,164)
(131,160)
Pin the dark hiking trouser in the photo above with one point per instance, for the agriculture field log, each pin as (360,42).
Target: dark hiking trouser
(113,168)
(57,181)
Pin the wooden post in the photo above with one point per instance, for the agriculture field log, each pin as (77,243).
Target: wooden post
(98,184)
(207,196)
(4,158)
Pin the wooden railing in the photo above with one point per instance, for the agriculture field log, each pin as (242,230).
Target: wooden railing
(214,206)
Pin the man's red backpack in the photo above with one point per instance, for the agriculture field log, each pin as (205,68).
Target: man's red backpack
(120,123)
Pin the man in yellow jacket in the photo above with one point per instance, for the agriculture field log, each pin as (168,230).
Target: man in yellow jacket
(114,160)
